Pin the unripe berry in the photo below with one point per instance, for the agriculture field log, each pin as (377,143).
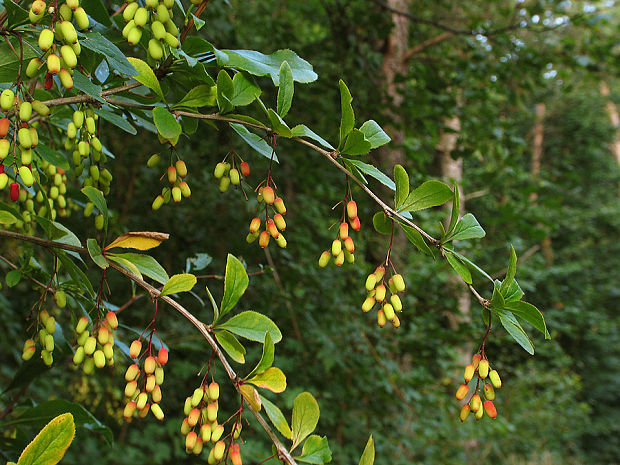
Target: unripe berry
(236,431)
(185,428)
(489,409)
(25,138)
(495,379)
(46,39)
(224,183)
(156,394)
(197,449)
(50,325)
(218,450)
(351,209)
(356,225)
(25,111)
(368,304)
(217,432)
(130,11)
(234,177)
(68,55)
(214,391)
(235,455)
(475,360)
(381,319)
(130,388)
(132,372)
(102,335)
(7,99)
(28,352)
(153,161)
(469,373)
(251,237)
(339,259)
(134,35)
(81,19)
(89,366)
(212,412)
(205,432)
(475,403)
(135,348)
(220,169)
(464,412)
(99,358)
(185,190)
(263,240)
(150,383)
(324,259)
(245,169)
(128,28)
(380,293)
(396,302)
(197,397)
(158,29)
(90,345)
(343,231)
(278,203)
(150,364)
(273,230)
(40,107)
(279,221)
(141,400)
(172,174)
(158,202)
(171,40)
(156,51)
(65,77)
(268,195)
(83,337)
(26,175)
(68,31)
(399,282)
(371,281)
(157,411)
(190,441)
(483,368)
(255,225)
(176,194)
(193,417)
(159,376)
(389,311)
(129,410)
(78,357)
(489,392)
(112,320)
(336,247)
(141,16)
(462,391)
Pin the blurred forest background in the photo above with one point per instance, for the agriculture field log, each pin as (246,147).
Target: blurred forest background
(516,101)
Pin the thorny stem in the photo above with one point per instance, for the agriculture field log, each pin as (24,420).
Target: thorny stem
(205,330)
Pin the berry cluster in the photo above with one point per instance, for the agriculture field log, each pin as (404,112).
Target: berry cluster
(47,326)
(480,368)
(176,177)
(59,42)
(95,347)
(230,175)
(377,293)
(275,223)
(140,387)
(343,246)
(200,424)
(156,19)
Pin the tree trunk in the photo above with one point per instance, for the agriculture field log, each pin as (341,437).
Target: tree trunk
(614,118)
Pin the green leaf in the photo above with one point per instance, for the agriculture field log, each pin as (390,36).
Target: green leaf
(200,96)
(254,141)
(374,134)
(167,125)
(272,378)
(97,198)
(286,88)
(464,259)
(225,92)
(244,90)
(374,172)
(278,125)
(259,64)
(276,417)
(429,194)
(49,446)
(116,120)
(306,414)
(347,120)
(530,314)
(95,253)
(115,58)
(267,357)
(81,82)
(179,283)
(459,267)
(510,323)
(235,283)
(510,273)
(315,450)
(13,278)
(77,274)
(513,293)
(253,326)
(53,156)
(16,15)
(9,61)
(467,228)
(302,130)
(147,265)
(454,216)
(383,224)
(368,456)
(97,11)
(356,144)
(401,179)
(146,76)
(45,411)
(6,217)
(416,239)
(497,300)
(231,345)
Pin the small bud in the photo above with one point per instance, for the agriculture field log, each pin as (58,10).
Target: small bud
(489,409)
(469,373)
(464,412)
(135,348)
(462,391)
(495,379)
(324,259)
(483,368)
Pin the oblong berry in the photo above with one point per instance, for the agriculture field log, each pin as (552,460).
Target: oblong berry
(324,259)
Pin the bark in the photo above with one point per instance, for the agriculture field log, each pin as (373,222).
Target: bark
(614,118)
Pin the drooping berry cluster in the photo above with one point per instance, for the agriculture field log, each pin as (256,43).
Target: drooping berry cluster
(155,18)
(144,385)
(343,247)
(480,369)
(228,174)
(274,210)
(377,293)
(176,175)
(95,347)
(47,325)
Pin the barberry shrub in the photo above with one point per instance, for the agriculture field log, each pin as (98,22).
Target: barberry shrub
(68,79)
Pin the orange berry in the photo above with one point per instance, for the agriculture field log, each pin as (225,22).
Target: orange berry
(269,195)
(462,391)
(112,320)
(489,409)
(255,225)
(245,168)
(135,348)
(150,364)
(351,209)
(349,245)
(263,240)
(355,223)
(162,356)
(272,228)
(464,412)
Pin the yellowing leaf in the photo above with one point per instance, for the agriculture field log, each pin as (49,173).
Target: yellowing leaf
(251,396)
(50,445)
(272,379)
(144,240)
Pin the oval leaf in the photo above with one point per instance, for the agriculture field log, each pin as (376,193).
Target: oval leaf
(146,76)
(273,379)
(459,267)
(50,445)
(231,345)
(253,326)
(267,357)
(429,194)
(276,417)
(235,283)
(167,125)
(382,223)
(138,240)
(251,396)
(368,456)
(95,253)
(316,450)
(285,89)
(179,283)
(401,178)
(306,414)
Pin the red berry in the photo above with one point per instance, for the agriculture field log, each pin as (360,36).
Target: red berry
(14,191)
(4,126)
(245,168)
(162,356)
(49,81)
(355,223)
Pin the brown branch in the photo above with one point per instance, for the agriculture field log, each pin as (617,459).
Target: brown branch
(190,23)
(15,267)
(87,98)
(427,43)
